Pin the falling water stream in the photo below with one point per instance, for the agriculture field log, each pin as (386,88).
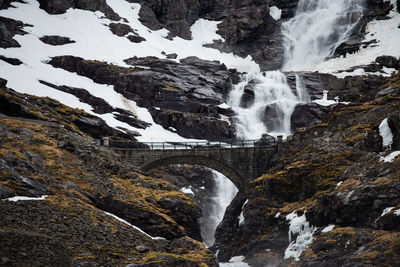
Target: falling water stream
(318,27)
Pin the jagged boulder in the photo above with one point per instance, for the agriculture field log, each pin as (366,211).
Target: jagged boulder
(387,61)
(56,40)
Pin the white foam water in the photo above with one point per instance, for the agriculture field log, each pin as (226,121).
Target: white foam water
(318,27)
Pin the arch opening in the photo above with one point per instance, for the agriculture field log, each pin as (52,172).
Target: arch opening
(210,163)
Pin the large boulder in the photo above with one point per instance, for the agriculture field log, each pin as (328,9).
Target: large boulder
(305,115)
(387,61)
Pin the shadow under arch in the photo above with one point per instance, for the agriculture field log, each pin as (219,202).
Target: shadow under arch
(211,163)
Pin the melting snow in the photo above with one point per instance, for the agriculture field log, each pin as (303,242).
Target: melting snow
(386,133)
(299,226)
(328,228)
(137,228)
(397,212)
(22,198)
(277,215)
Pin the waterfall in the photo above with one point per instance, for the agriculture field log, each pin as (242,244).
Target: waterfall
(221,197)
(318,27)
(264,102)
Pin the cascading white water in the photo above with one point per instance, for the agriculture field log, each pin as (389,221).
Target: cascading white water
(316,30)
(318,27)
(222,196)
(271,93)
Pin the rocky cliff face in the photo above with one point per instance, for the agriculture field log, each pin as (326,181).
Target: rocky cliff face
(335,173)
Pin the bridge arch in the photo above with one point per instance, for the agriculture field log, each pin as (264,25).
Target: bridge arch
(211,163)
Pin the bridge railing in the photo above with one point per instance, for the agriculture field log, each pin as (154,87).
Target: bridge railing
(192,145)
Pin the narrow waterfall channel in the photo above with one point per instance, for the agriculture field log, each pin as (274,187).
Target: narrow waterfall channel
(318,27)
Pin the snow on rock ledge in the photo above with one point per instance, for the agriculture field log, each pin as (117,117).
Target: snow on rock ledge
(299,226)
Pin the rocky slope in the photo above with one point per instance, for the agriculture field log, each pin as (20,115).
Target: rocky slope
(336,174)
(45,151)
(334,183)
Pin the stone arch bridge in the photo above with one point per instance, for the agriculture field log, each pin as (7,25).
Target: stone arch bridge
(240,161)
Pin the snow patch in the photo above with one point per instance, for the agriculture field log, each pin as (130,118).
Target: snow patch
(386,211)
(328,228)
(391,157)
(277,215)
(275,12)
(234,262)
(386,133)
(23,198)
(299,226)
(325,102)
(187,190)
(339,184)
(397,212)
(135,227)
(241,216)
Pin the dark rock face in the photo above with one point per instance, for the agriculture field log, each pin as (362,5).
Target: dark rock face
(227,229)
(394,124)
(288,7)
(8,29)
(12,61)
(56,40)
(185,215)
(175,15)
(61,6)
(387,61)
(19,248)
(135,38)
(305,115)
(4,4)
(249,30)
(151,223)
(100,106)
(185,95)
(56,6)
(12,104)
(120,29)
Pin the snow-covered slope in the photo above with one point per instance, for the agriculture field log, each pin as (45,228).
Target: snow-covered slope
(94,41)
